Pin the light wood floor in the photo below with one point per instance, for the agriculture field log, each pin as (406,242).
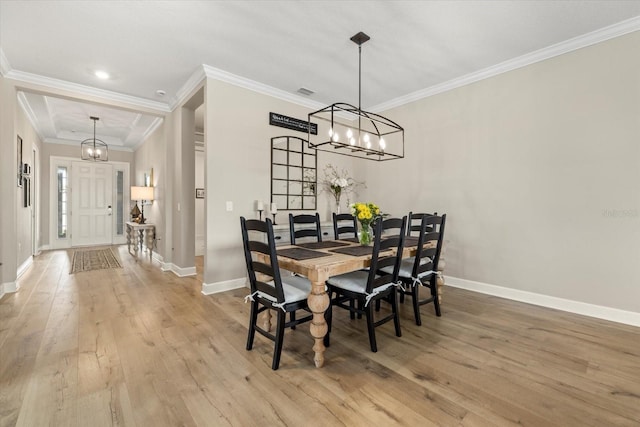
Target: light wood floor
(139,347)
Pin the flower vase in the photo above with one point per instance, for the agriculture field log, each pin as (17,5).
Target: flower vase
(365,235)
(336,196)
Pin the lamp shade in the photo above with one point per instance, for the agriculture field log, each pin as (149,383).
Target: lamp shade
(141,193)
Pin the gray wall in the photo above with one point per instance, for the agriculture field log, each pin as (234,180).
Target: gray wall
(538,169)
(238,169)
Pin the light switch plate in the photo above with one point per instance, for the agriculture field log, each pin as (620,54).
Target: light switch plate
(229,206)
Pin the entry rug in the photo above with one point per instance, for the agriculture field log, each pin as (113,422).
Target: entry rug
(93,259)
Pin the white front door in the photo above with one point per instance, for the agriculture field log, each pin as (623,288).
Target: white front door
(91,201)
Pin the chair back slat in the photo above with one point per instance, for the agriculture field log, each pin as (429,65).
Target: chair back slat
(267,264)
(344,224)
(305,231)
(389,234)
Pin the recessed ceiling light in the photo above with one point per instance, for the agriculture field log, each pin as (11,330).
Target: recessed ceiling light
(102,74)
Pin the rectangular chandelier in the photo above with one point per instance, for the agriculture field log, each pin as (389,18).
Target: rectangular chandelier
(351,131)
(348,130)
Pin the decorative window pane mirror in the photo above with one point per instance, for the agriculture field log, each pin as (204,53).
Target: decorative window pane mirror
(293,173)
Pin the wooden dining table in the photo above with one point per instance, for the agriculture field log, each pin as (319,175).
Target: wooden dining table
(318,270)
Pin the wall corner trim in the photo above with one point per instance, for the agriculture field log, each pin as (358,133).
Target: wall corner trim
(24,266)
(600,312)
(8,288)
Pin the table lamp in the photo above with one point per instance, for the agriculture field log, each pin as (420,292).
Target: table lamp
(141,194)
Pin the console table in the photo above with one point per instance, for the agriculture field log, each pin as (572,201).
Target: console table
(139,234)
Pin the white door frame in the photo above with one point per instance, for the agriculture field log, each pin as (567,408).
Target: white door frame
(62,243)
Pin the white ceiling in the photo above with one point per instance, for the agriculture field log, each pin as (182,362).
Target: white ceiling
(151,45)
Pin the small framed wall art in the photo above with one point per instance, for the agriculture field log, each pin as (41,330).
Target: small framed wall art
(19,157)
(199,193)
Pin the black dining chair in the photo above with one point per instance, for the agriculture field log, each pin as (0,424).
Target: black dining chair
(270,291)
(413,222)
(310,227)
(421,271)
(344,226)
(366,286)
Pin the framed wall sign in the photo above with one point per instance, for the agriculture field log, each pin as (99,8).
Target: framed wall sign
(199,193)
(292,123)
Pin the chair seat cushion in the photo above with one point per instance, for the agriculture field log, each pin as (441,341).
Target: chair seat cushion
(356,281)
(294,287)
(406,267)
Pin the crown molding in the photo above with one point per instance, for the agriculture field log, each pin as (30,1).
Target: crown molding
(196,79)
(5,67)
(224,76)
(598,36)
(76,88)
(152,128)
(60,141)
(28,111)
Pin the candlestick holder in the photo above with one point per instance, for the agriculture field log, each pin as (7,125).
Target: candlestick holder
(260,210)
(274,219)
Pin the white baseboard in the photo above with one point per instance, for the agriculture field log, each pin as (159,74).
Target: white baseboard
(225,285)
(44,248)
(586,309)
(158,258)
(24,266)
(180,271)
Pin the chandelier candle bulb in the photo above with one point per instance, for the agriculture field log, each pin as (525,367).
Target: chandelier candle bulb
(274,208)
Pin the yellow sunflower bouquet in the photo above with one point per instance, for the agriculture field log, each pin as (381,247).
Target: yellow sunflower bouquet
(366,214)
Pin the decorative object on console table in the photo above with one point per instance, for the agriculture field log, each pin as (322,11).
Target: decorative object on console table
(260,207)
(274,211)
(135,213)
(199,193)
(142,194)
(339,184)
(366,214)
